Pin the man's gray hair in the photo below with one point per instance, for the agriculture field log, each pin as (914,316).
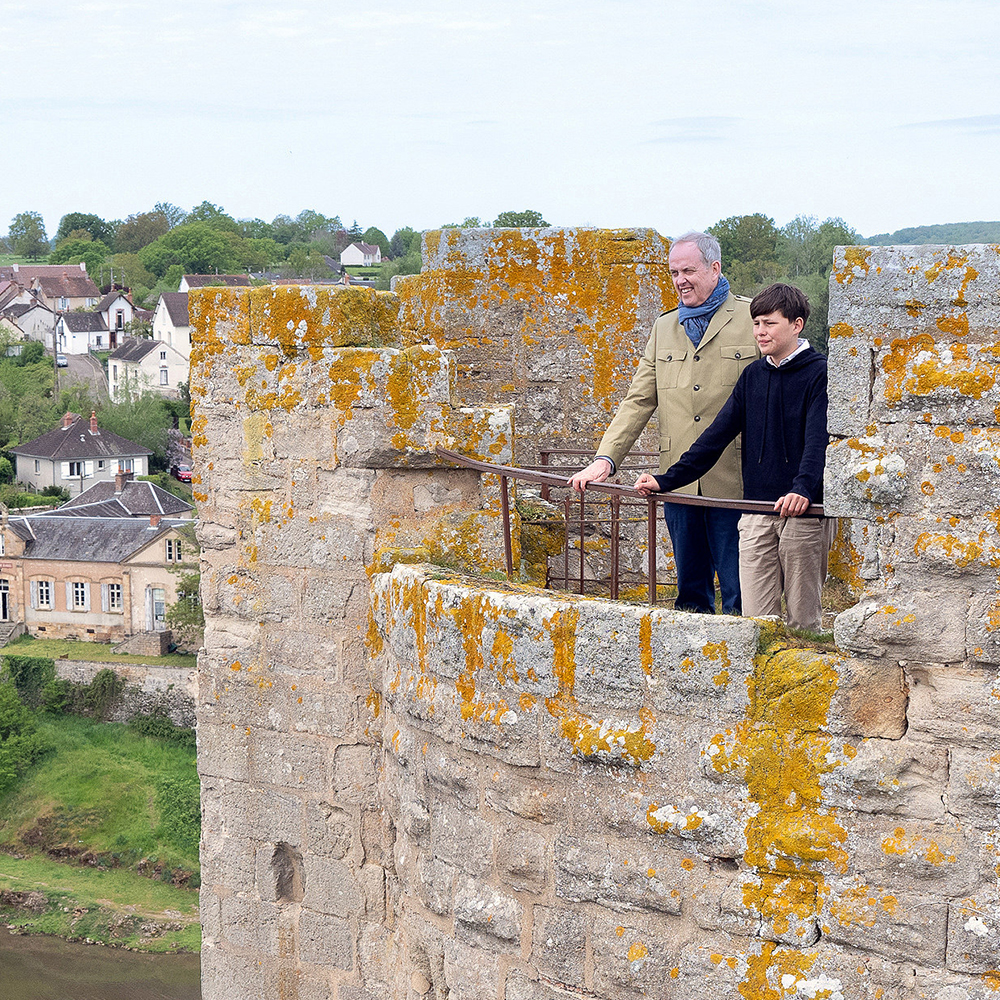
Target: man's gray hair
(708,246)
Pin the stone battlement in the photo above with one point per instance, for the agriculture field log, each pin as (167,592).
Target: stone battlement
(417,783)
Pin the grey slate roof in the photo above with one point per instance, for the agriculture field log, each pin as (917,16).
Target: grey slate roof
(177,307)
(77,442)
(134,349)
(82,539)
(204,280)
(85,322)
(138,498)
(105,303)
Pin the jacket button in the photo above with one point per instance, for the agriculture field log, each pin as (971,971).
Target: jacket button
(696,419)
(697,358)
(697,387)
(737,354)
(670,357)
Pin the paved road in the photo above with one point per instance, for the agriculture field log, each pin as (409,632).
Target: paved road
(83,368)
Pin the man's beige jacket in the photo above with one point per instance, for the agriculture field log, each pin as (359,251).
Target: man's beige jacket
(687,386)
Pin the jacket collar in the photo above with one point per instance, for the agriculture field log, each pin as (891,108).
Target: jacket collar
(723,316)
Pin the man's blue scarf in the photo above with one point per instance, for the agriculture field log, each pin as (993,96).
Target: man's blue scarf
(695,319)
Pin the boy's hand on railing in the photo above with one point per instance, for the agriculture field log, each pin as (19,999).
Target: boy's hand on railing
(791,505)
(596,472)
(646,484)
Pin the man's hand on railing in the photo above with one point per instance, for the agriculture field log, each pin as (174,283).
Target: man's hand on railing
(596,472)
(646,484)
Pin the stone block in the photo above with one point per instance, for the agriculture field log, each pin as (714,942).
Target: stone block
(250,924)
(974,934)
(635,956)
(371,882)
(330,887)
(435,883)
(329,829)
(462,839)
(902,927)
(973,792)
(325,940)
(904,777)
(530,798)
(223,752)
(289,761)
(558,944)
(958,704)
(279,817)
(485,915)
(522,858)
(852,370)
(470,972)
(923,625)
(447,778)
(377,837)
(354,775)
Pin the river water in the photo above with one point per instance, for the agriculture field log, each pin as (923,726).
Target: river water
(48,968)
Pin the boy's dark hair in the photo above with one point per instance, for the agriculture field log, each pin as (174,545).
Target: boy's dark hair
(785,299)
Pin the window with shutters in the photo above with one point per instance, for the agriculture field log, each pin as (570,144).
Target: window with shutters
(75,469)
(43,591)
(115,597)
(80,597)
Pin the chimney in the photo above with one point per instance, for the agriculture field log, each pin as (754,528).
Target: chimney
(83,267)
(121,478)
(93,421)
(154,520)
(67,420)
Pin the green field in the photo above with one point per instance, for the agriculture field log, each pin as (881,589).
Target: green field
(98,652)
(106,827)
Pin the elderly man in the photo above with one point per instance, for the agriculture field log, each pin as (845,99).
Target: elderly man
(693,358)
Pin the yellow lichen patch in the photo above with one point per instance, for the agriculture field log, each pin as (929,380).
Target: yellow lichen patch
(841,330)
(845,559)
(956,326)
(961,552)
(917,847)
(773,973)
(637,951)
(646,643)
(916,366)
(855,258)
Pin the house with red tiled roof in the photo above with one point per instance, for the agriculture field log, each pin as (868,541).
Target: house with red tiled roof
(77,451)
(117,310)
(61,287)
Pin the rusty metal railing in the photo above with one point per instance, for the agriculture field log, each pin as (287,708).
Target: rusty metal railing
(617,496)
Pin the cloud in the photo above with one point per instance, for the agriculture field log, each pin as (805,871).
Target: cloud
(709,128)
(977,125)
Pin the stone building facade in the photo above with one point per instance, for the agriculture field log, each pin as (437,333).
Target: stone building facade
(417,783)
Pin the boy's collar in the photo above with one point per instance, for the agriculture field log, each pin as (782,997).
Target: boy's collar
(803,346)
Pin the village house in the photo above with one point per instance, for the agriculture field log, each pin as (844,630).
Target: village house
(189,281)
(140,364)
(34,320)
(61,287)
(101,579)
(170,322)
(361,254)
(79,332)
(125,497)
(117,311)
(76,451)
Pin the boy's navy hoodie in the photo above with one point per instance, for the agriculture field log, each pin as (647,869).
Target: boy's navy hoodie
(781,413)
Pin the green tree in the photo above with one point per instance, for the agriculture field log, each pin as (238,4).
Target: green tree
(94,253)
(175,216)
(377,238)
(141,416)
(138,231)
(186,616)
(214,215)
(528,219)
(198,247)
(128,269)
(403,241)
(99,229)
(27,235)
(20,742)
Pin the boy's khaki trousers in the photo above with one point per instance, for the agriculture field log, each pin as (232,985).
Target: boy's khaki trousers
(785,553)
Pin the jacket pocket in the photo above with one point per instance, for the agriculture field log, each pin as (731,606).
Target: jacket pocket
(735,358)
(668,368)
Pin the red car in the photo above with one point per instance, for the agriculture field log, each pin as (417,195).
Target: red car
(181,472)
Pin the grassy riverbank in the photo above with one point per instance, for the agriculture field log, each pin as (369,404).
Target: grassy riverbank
(100,838)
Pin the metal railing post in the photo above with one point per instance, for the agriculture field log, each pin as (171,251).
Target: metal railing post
(651,548)
(508,550)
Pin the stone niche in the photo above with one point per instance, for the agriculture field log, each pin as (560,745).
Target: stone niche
(418,783)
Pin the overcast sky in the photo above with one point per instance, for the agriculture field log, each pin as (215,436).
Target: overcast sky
(599,112)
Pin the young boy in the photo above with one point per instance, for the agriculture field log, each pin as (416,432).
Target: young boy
(779,406)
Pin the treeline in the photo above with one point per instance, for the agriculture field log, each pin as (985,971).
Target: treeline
(149,251)
(756,253)
(950,232)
